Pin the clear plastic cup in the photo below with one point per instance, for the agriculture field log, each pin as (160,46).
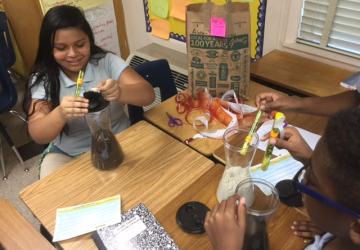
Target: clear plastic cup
(237,163)
(262,199)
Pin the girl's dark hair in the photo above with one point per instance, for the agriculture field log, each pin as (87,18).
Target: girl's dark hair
(45,68)
(342,140)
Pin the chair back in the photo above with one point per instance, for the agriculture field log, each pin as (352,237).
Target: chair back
(158,74)
(8,94)
(6,48)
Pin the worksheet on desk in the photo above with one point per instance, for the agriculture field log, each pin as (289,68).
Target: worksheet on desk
(283,167)
(81,219)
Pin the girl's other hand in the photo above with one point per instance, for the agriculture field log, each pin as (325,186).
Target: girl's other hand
(74,106)
(110,89)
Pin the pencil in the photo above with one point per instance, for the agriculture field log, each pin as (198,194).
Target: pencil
(79,83)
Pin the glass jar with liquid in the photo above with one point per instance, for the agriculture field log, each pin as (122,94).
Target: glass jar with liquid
(106,152)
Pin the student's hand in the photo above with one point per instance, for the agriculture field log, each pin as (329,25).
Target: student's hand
(225,224)
(294,143)
(73,106)
(110,89)
(270,101)
(306,229)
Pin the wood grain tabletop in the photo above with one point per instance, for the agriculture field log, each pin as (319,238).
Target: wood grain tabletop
(204,190)
(16,232)
(156,169)
(207,146)
(299,74)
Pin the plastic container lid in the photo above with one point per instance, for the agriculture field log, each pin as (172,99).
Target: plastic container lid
(96,101)
(191,217)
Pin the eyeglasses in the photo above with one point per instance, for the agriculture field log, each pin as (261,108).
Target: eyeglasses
(298,182)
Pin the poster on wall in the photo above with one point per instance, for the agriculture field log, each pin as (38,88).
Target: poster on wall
(166,19)
(101,17)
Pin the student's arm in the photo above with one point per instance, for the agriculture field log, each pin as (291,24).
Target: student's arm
(45,124)
(330,105)
(325,106)
(130,88)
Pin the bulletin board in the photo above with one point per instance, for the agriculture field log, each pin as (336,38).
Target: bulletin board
(166,19)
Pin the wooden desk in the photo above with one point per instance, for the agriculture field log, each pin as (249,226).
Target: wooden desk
(16,232)
(207,146)
(204,190)
(156,169)
(299,74)
(158,117)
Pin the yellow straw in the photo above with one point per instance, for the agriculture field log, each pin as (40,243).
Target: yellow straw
(79,83)
(248,138)
(274,133)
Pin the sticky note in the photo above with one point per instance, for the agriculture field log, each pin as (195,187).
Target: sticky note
(178,9)
(219,2)
(177,26)
(159,8)
(218,26)
(160,28)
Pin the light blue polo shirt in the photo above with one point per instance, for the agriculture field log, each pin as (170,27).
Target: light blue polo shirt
(78,138)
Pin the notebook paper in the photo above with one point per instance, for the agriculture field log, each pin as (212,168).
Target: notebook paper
(81,219)
(281,168)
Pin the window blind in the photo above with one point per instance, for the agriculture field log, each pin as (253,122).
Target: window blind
(331,24)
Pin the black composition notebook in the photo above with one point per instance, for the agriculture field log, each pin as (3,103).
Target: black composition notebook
(138,229)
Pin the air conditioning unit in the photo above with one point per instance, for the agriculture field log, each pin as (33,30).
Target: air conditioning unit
(176,59)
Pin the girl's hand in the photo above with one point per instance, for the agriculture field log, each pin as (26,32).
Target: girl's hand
(110,90)
(225,224)
(74,106)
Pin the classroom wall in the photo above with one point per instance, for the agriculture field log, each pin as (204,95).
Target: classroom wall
(274,25)
(138,37)
(136,29)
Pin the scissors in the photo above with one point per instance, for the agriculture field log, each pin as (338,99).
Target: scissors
(173,121)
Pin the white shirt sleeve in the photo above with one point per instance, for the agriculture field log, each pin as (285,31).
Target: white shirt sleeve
(320,241)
